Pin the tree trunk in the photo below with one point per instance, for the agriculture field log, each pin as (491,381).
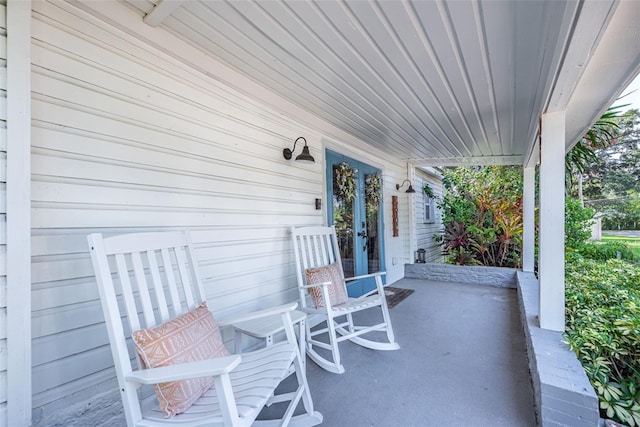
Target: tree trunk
(580,190)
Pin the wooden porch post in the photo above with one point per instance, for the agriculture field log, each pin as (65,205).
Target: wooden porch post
(18,256)
(528,218)
(551,256)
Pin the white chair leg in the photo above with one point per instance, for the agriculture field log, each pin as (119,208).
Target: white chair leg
(302,342)
(303,392)
(385,310)
(333,340)
(301,377)
(332,365)
(387,320)
(350,320)
(227,403)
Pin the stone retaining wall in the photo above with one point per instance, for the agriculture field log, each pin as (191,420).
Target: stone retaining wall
(563,394)
(493,276)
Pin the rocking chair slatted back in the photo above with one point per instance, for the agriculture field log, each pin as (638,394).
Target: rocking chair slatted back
(317,247)
(165,284)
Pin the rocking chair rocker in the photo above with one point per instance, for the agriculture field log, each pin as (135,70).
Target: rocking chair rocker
(319,273)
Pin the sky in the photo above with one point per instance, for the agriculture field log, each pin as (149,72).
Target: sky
(634,98)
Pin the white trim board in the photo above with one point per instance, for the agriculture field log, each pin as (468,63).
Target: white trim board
(19,212)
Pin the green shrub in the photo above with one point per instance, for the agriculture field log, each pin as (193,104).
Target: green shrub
(606,250)
(603,328)
(482,216)
(632,242)
(577,223)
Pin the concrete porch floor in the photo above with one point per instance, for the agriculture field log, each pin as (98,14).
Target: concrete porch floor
(462,362)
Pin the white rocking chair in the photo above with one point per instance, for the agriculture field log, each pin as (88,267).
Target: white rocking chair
(318,247)
(154,280)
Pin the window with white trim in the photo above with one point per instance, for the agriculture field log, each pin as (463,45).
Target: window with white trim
(429,209)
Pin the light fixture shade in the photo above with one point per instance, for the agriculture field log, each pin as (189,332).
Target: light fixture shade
(305,156)
(409,190)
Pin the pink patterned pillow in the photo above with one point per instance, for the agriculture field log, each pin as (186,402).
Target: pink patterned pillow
(330,273)
(190,337)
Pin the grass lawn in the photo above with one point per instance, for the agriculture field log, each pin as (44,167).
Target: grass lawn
(634,242)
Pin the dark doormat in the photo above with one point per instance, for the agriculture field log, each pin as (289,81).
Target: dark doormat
(395,295)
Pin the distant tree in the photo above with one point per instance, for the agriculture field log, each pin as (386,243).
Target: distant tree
(612,183)
(602,134)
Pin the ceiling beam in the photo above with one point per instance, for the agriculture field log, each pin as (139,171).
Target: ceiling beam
(161,11)
(515,159)
(532,156)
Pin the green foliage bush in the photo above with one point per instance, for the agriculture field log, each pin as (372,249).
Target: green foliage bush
(482,216)
(606,250)
(603,328)
(577,223)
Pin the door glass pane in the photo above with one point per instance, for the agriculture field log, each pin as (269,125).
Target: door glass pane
(372,212)
(343,221)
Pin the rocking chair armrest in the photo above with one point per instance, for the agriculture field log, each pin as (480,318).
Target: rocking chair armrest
(371,292)
(185,371)
(364,276)
(379,285)
(315,285)
(280,309)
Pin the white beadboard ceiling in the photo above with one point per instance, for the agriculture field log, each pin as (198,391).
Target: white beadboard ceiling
(433,82)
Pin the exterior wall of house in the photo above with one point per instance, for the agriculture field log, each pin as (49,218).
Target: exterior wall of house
(126,139)
(3,215)
(427,227)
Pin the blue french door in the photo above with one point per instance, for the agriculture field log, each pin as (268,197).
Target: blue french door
(358,222)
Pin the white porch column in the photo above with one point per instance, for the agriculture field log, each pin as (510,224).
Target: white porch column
(528,219)
(411,204)
(551,256)
(18,257)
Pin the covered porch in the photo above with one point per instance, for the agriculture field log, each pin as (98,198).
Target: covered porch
(135,115)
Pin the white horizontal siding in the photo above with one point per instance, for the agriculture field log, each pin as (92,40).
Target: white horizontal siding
(3,391)
(426,230)
(3,214)
(126,139)
(115,150)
